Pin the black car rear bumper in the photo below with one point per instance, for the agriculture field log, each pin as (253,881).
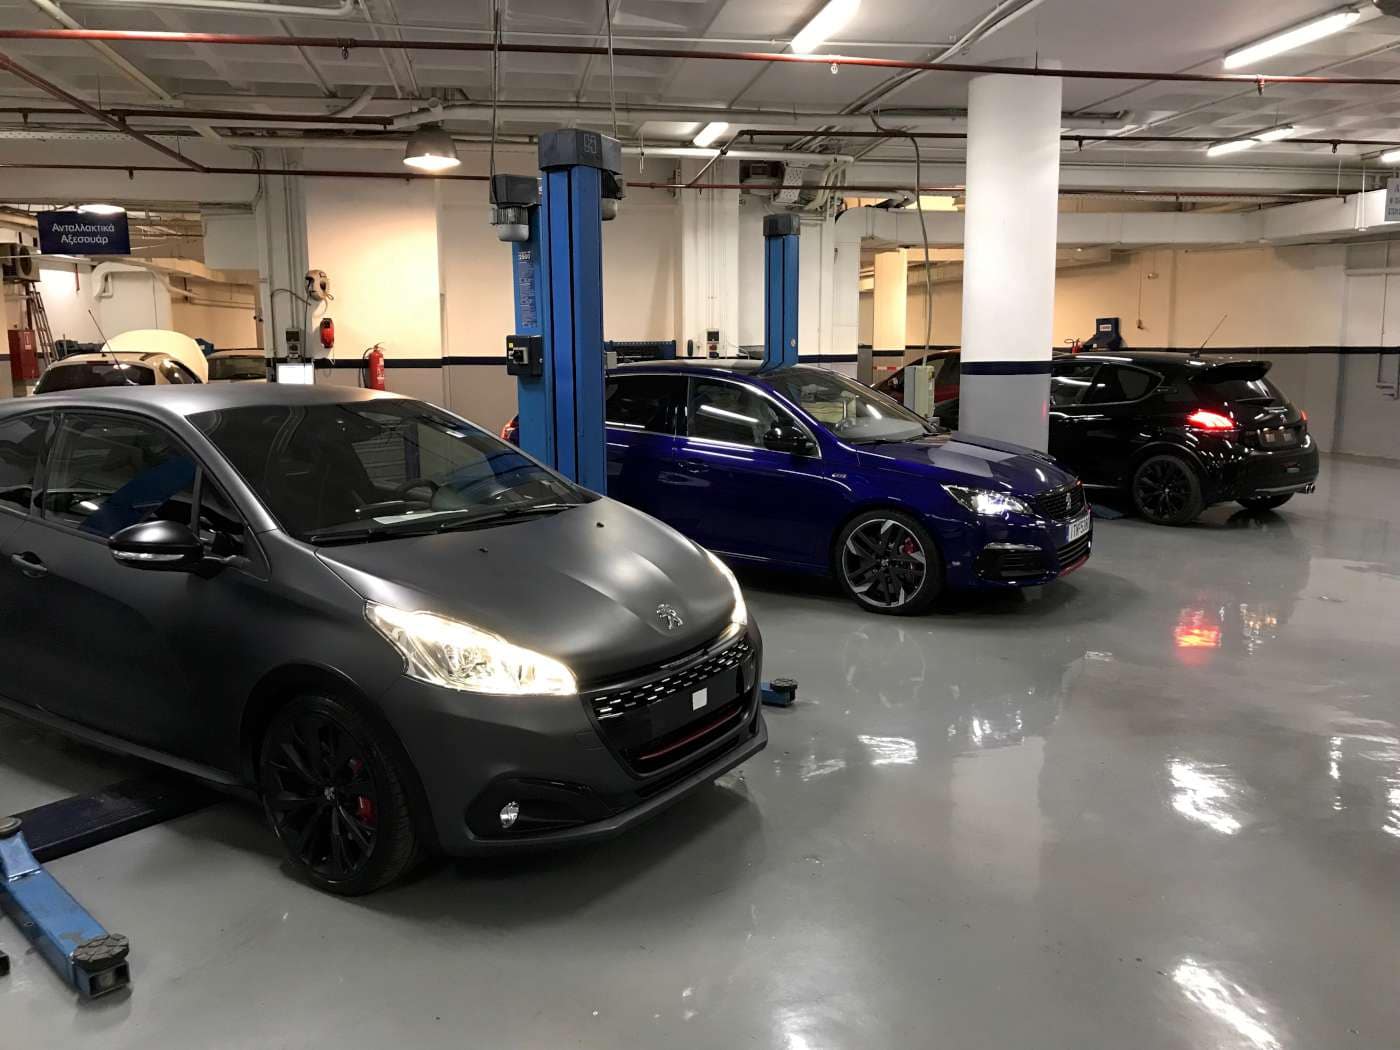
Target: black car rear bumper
(573,777)
(1258,473)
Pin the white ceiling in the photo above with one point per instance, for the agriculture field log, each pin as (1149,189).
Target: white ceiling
(1114,34)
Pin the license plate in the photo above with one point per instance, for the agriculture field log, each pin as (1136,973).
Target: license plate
(1079,528)
(1278,438)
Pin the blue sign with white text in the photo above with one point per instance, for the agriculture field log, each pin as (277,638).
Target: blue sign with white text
(73,233)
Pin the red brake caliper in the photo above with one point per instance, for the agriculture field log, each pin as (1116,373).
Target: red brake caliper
(364,807)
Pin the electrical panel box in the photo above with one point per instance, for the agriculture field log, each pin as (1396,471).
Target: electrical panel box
(918,389)
(525,355)
(293,339)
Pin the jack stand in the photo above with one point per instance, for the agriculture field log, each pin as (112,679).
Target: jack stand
(780,692)
(84,954)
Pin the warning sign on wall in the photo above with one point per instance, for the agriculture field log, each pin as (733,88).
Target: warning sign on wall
(1392,200)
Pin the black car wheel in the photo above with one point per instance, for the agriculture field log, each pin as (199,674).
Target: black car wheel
(1167,491)
(888,563)
(335,797)
(1266,502)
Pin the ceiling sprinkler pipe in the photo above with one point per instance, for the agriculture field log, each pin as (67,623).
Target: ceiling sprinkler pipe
(350,43)
(344,9)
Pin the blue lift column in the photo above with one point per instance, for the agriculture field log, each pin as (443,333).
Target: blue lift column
(558,353)
(780,248)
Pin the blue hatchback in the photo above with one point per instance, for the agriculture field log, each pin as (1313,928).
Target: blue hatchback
(803,469)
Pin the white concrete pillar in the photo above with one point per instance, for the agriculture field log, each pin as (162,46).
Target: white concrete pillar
(1013,181)
(710,259)
(891,300)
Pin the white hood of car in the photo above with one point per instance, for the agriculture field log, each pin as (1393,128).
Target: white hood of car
(157,341)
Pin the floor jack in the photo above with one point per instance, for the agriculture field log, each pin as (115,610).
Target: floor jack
(90,959)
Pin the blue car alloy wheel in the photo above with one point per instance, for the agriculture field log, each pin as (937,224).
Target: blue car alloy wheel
(888,563)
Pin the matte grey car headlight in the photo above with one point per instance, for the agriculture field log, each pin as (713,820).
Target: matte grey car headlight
(446,652)
(740,615)
(985,502)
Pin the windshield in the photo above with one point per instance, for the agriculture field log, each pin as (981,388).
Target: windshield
(367,470)
(237,367)
(848,409)
(94,373)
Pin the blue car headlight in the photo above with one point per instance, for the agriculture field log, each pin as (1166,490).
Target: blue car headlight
(986,503)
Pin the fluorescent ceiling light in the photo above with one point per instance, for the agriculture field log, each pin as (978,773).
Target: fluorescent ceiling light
(824,25)
(1393,157)
(101,209)
(1274,134)
(1298,36)
(937,202)
(1220,149)
(431,149)
(710,132)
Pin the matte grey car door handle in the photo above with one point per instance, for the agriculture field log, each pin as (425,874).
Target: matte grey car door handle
(29,564)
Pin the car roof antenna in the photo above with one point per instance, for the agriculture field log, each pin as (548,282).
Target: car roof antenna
(116,361)
(1196,353)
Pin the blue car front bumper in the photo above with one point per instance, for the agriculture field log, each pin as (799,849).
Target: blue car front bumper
(1014,551)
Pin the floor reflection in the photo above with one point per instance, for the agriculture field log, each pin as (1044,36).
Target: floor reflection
(1226,1001)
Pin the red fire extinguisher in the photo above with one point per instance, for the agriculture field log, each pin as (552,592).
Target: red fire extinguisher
(374,368)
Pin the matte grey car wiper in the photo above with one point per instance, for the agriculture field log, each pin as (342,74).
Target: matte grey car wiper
(429,526)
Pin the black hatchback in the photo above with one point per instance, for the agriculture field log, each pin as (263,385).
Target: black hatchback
(1180,432)
(1177,432)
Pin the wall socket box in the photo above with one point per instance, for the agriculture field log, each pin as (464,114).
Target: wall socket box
(292,336)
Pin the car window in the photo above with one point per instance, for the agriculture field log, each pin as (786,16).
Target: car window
(1118,383)
(107,473)
(644,402)
(720,411)
(238,366)
(356,469)
(1070,381)
(21,444)
(850,410)
(176,373)
(86,374)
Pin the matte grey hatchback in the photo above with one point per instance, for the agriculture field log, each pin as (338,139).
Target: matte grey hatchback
(400,633)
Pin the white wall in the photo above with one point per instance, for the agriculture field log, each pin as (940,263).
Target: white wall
(227,327)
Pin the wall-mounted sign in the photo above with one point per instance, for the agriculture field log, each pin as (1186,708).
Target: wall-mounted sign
(1392,200)
(73,233)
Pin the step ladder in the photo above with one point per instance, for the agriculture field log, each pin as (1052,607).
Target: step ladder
(39,321)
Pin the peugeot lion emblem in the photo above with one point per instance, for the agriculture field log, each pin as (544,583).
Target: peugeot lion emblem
(668,616)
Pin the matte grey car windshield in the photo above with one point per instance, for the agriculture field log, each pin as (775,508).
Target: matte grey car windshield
(361,471)
(848,409)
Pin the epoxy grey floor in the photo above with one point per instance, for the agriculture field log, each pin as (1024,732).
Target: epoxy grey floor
(1155,805)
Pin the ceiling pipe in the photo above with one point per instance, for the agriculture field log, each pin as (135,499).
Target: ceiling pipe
(1192,140)
(355,108)
(117,62)
(216,116)
(349,43)
(53,90)
(344,9)
(892,187)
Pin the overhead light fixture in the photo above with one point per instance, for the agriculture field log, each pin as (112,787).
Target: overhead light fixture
(710,132)
(1392,157)
(1297,36)
(1220,149)
(431,149)
(1274,134)
(825,24)
(101,209)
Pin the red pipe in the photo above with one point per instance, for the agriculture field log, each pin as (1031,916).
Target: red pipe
(349,43)
(50,88)
(212,115)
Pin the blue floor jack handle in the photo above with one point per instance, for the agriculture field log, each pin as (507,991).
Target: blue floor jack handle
(84,954)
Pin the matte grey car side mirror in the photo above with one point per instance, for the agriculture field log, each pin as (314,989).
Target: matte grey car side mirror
(164,546)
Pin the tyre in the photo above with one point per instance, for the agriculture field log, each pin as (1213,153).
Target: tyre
(1266,502)
(888,563)
(336,797)
(1166,490)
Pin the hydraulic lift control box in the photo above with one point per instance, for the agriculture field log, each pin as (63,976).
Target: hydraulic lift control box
(525,355)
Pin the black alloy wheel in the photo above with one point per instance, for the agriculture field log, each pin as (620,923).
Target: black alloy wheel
(334,798)
(1258,503)
(888,563)
(1167,491)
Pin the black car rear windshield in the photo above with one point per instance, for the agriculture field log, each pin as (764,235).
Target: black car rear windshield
(359,471)
(94,373)
(1234,390)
